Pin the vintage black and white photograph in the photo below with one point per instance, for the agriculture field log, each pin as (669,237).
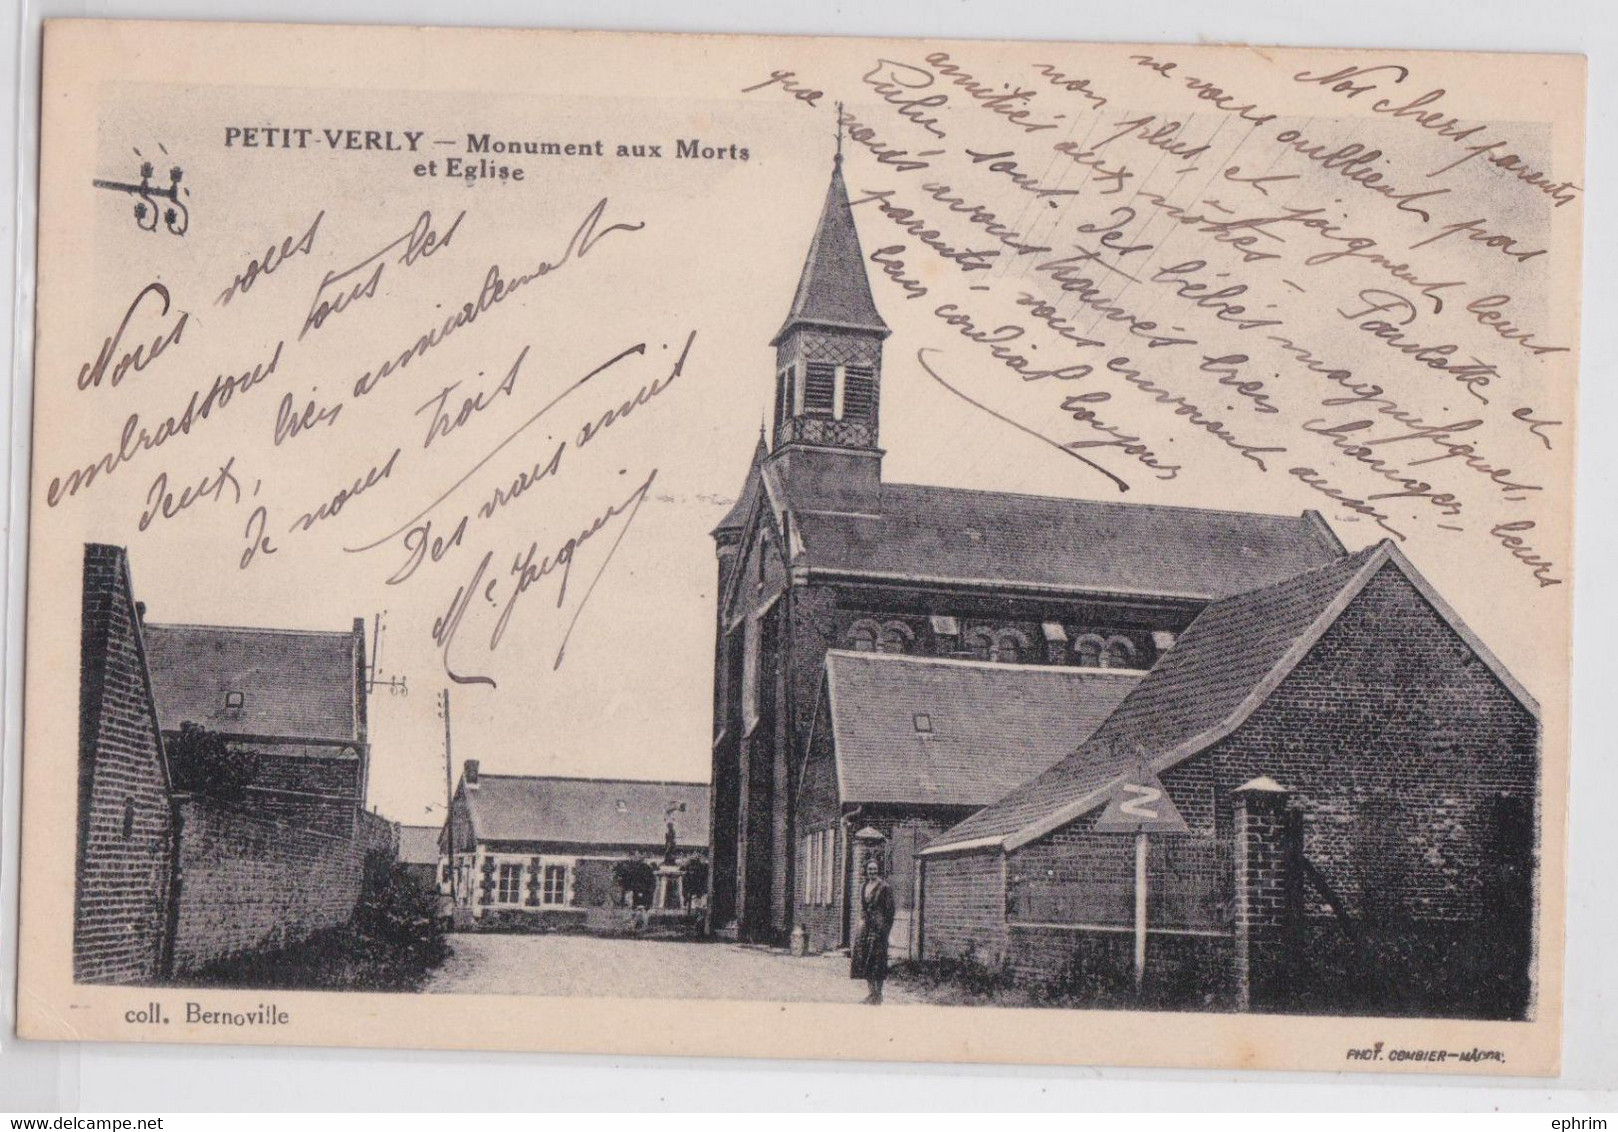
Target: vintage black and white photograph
(1018,552)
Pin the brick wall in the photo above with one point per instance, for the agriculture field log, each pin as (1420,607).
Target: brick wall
(1182,969)
(377,840)
(1077,876)
(964,907)
(125,824)
(248,883)
(1413,773)
(307,787)
(1396,742)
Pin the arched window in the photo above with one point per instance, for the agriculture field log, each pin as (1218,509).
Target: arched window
(864,636)
(1010,646)
(896,637)
(1120,653)
(978,643)
(1091,650)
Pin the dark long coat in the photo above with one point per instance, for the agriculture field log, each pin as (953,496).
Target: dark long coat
(869,959)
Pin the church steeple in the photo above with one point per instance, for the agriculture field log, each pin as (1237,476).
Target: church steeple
(833,291)
(829,362)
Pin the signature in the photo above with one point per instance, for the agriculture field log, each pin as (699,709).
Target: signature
(528,568)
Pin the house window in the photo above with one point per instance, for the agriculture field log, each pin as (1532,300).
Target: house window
(234,701)
(819,388)
(859,393)
(924,723)
(510,889)
(129,818)
(554,887)
(818,849)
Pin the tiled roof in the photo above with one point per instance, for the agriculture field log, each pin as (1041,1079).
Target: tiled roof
(953,732)
(418,844)
(1225,662)
(590,811)
(294,684)
(956,535)
(833,289)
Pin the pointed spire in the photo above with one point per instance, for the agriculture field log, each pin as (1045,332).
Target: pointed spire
(833,290)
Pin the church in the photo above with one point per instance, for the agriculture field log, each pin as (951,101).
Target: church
(820,554)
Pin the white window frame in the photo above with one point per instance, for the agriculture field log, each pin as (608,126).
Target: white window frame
(500,868)
(545,868)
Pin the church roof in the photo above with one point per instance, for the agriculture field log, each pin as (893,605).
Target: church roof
(924,533)
(293,684)
(736,518)
(1225,664)
(586,811)
(956,732)
(833,289)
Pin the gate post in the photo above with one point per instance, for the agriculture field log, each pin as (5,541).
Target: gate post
(1260,809)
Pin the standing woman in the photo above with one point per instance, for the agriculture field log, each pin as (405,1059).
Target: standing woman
(870,958)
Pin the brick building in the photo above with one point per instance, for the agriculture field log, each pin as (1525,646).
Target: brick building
(524,850)
(185,860)
(1359,777)
(122,906)
(820,553)
(905,747)
(288,703)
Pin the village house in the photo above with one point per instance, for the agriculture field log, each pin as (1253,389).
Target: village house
(532,851)
(289,705)
(1357,779)
(419,857)
(222,776)
(903,747)
(820,553)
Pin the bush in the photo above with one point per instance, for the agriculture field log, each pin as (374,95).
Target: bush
(1089,977)
(202,764)
(696,878)
(637,878)
(957,978)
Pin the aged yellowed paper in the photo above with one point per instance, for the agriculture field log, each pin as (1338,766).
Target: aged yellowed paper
(885,549)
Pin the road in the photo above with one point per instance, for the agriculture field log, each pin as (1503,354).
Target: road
(591,966)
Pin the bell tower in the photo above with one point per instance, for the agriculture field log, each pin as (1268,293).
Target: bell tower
(828,369)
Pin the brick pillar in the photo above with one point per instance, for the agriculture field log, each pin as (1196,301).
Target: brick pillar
(1260,811)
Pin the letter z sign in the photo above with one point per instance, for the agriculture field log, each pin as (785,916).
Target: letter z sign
(1139,804)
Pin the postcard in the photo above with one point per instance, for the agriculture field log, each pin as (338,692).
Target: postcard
(817,548)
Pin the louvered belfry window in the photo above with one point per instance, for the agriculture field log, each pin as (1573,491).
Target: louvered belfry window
(859,393)
(819,388)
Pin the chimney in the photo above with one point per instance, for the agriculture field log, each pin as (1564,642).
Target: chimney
(470,774)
